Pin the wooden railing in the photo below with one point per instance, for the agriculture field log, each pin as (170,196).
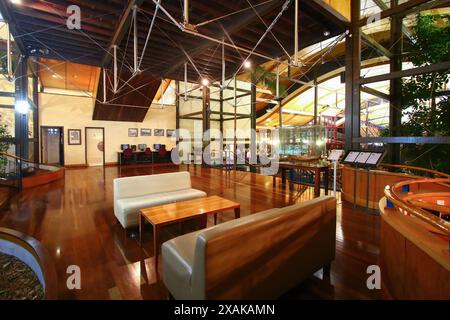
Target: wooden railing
(416,169)
(409,204)
(11,173)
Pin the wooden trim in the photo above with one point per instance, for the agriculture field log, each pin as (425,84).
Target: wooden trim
(40,253)
(111,164)
(76,166)
(85,144)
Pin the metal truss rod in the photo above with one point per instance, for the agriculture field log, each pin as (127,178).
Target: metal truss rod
(116,84)
(149,33)
(135,39)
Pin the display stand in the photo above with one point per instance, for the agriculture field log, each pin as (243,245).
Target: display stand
(334,157)
(363,159)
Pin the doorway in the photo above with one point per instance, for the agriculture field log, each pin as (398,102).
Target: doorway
(95,146)
(52,145)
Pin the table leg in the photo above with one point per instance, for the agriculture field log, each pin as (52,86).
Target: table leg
(237,213)
(215,218)
(283,177)
(156,246)
(141,228)
(327,180)
(317,183)
(203,221)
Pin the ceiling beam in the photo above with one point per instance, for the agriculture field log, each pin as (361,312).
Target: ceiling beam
(7,15)
(407,73)
(232,28)
(121,29)
(375,93)
(330,12)
(374,44)
(409,6)
(384,6)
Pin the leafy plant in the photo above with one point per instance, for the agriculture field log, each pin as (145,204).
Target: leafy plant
(426,112)
(4,146)
(269,80)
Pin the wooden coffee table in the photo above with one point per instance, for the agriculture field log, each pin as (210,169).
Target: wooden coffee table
(160,216)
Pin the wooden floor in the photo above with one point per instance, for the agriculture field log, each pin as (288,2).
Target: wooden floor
(74,220)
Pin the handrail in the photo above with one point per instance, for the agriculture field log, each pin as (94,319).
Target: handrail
(18,169)
(391,194)
(399,166)
(243,158)
(14,157)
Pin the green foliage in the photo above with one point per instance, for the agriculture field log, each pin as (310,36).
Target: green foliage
(269,80)
(4,146)
(425,112)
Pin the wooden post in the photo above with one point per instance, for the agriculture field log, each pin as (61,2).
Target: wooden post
(395,113)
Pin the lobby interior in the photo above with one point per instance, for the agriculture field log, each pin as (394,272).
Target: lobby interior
(203,149)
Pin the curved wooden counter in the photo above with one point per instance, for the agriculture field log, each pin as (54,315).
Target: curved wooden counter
(40,255)
(378,179)
(42,178)
(414,257)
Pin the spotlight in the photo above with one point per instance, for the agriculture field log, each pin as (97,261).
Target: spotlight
(205,82)
(326,33)
(22,106)
(247,64)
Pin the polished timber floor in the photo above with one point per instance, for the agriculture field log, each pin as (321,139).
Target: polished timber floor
(74,220)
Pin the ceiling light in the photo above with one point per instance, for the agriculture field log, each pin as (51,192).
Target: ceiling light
(16,1)
(326,33)
(22,106)
(247,64)
(205,82)
(54,76)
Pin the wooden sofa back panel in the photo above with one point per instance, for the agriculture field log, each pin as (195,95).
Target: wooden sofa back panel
(259,260)
(143,185)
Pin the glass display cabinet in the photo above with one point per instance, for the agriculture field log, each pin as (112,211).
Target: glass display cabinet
(307,141)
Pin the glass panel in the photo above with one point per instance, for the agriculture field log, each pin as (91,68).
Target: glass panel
(31,123)
(303,141)
(7,121)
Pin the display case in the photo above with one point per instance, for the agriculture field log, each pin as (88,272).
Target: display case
(302,141)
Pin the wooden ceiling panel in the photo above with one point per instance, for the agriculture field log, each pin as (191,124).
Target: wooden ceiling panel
(68,76)
(131,102)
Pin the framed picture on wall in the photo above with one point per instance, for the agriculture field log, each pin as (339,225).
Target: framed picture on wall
(159,132)
(170,132)
(133,132)
(74,136)
(146,132)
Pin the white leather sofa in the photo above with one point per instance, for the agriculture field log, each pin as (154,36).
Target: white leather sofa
(260,256)
(134,193)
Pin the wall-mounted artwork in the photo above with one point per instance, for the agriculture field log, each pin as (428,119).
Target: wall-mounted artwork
(170,132)
(146,132)
(133,132)
(74,136)
(159,132)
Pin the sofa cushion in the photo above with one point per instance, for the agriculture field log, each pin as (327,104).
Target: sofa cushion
(178,261)
(131,187)
(129,208)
